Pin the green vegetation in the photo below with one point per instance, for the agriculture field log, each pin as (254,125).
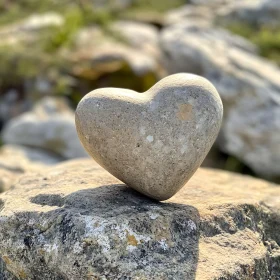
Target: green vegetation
(42,57)
(235,165)
(82,10)
(157,5)
(14,10)
(57,37)
(267,39)
(19,64)
(151,11)
(76,13)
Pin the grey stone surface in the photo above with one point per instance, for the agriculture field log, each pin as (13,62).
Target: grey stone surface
(17,160)
(11,106)
(76,221)
(153,141)
(140,36)
(50,126)
(249,87)
(251,12)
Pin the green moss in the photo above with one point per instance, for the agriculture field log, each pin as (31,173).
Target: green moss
(267,39)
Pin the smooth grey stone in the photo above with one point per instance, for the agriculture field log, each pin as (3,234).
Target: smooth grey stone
(152,141)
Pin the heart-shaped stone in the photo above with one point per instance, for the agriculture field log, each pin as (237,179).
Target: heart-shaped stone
(152,141)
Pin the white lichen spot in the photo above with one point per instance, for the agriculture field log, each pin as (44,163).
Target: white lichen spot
(96,229)
(40,239)
(132,238)
(51,248)
(150,138)
(191,225)
(31,222)
(102,230)
(77,248)
(130,248)
(121,233)
(153,216)
(163,244)
(153,207)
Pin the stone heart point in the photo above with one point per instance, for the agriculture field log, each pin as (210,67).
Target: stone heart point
(152,141)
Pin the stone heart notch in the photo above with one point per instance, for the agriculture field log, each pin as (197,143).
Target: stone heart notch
(152,141)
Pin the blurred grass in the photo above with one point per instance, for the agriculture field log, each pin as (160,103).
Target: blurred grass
(157,5)
(60,36)
(18,63)
(267,39)
(151,11)
(14,10)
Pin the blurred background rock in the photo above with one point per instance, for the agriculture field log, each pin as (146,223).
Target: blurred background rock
(54,52)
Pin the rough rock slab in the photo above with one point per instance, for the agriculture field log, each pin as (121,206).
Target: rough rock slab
(76,221)
(249,87)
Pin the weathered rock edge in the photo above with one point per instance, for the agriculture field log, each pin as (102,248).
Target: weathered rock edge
(76,221)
